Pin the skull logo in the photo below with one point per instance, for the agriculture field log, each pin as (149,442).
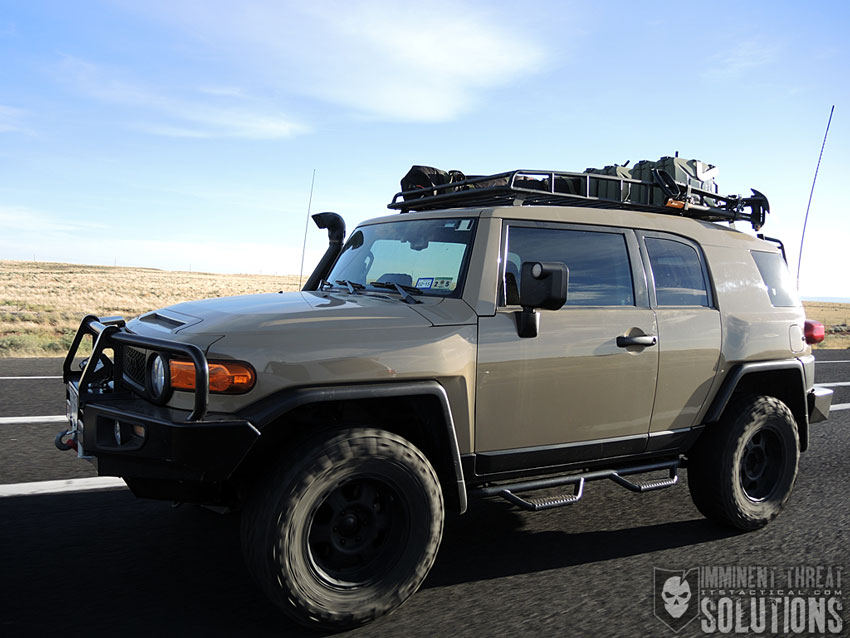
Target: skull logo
(676,595)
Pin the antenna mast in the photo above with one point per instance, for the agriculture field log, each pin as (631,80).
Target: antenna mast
(814,181)
(306,226)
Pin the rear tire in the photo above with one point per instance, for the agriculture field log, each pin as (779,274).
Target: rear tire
(742,469)
(346,529)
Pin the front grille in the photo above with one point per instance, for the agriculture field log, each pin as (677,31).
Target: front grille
(134,365)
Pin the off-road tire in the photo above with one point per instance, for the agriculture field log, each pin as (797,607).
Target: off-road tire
(329,479)
(742,469)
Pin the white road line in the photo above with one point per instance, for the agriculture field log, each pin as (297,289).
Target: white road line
(56,487)
(817,363)
(839,406)
(21,378)
(6,420)
(837,384)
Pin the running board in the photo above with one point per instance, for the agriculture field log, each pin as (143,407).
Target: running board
(508,491)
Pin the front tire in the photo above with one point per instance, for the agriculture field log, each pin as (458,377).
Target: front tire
(347,530)
(742,469)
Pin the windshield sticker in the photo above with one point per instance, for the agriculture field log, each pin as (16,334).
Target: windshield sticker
(425,282)
(464,224)
(443,283)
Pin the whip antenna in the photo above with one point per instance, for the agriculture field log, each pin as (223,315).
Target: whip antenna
(306,226)
(814,181)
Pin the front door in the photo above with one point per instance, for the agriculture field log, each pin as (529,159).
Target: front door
(571,393)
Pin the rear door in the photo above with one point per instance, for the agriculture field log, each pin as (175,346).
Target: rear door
(688,329)
(571,393)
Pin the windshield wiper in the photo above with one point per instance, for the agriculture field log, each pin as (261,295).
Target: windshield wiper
(401,289)
(352,286)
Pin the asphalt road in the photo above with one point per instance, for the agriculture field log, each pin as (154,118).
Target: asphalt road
(105,563)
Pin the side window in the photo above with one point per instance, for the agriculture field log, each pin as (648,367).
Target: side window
(777,279)
(600,274)
(678,274)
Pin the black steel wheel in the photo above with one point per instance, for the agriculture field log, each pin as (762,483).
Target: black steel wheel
(346,532)
(742,469)
(762,463)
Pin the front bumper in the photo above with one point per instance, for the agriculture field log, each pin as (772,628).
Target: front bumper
(819,401)
(127,436)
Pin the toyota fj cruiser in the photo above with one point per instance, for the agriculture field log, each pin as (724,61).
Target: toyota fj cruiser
(498,336)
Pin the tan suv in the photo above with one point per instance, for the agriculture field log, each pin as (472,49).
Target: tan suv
(500,336)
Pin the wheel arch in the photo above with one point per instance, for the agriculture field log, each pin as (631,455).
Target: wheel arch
(784,380)
(419,411)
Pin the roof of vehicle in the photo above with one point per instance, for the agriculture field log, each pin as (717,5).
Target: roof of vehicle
(703,232)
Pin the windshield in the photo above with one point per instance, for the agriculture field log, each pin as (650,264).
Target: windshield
(429,254)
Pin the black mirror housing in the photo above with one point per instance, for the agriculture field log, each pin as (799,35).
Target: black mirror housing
(543,285)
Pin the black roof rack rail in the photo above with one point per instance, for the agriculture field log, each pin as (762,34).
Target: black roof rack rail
(559,188)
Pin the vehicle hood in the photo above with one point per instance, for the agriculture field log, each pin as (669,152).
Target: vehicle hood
(270,313)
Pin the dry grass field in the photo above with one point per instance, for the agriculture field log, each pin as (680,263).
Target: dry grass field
(41,304)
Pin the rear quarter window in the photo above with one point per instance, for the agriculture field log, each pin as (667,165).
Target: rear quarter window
(777,280)
(677,272)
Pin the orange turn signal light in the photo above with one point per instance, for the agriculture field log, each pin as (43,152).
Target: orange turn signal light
(675,203)
(226,377)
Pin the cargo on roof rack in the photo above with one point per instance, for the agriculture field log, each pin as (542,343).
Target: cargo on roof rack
(558,188)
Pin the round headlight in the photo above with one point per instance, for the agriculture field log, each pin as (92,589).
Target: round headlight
(158,377)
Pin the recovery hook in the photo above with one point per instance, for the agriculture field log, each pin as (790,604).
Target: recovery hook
(69,444)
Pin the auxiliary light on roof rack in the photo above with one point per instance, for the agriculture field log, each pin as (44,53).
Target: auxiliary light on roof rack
(557,188)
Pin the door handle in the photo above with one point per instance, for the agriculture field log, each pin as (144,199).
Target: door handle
(643,340)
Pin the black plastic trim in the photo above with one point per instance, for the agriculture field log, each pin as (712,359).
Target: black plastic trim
(727,389)
(679,440)
(556,455)
(556,458)
(276,406)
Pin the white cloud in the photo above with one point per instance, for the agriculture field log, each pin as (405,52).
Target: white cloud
(10,120)
(228,113)
(400,61)
(739,59)
(27,221)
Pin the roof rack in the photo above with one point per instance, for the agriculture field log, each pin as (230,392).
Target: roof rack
(558,188)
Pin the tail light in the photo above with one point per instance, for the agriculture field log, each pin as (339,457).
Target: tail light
(813,331)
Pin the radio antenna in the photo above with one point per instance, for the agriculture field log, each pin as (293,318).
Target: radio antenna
(814,181)
(306,226)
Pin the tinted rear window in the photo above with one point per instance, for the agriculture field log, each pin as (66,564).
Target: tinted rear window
(677,271)
(777,279)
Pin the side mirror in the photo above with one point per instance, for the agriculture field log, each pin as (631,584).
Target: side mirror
(542,285)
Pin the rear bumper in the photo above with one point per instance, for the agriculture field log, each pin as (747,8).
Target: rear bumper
(819,401)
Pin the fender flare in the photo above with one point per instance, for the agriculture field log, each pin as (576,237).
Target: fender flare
(734,377)
(277,405)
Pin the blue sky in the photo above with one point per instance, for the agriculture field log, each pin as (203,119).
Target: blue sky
(184,134)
